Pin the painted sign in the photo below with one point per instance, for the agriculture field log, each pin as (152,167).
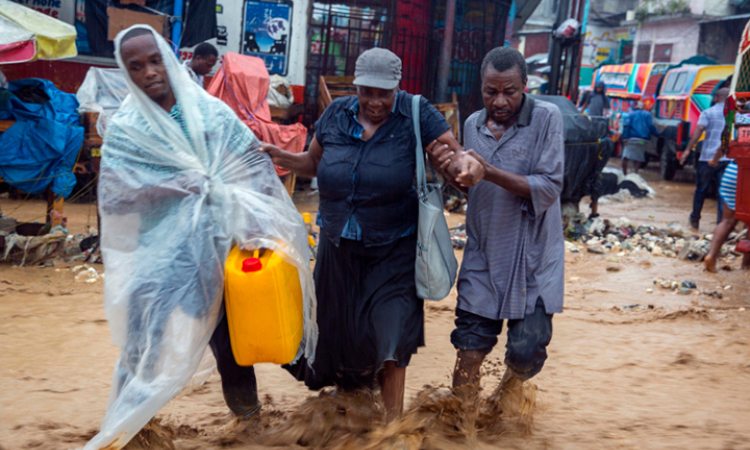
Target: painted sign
(267,32)
(599,45)
(59,9)
(743,134)
(625,34)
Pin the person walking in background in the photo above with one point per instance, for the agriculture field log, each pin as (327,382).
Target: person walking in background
(711,122)
(728,195)
(204,59)
(596,102)
(637,128)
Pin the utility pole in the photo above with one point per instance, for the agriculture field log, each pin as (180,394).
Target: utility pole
(583,17)
(446,52)
(555,51)
(177,26)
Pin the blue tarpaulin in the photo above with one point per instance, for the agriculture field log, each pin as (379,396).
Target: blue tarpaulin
(43,145)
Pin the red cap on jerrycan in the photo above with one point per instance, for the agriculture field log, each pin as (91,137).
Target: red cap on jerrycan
(251,265)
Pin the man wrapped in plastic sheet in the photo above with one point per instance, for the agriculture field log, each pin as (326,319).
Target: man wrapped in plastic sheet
(182,182)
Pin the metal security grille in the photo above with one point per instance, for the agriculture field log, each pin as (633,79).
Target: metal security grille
(413,29)
(479,27)
(340,33)
(743,82)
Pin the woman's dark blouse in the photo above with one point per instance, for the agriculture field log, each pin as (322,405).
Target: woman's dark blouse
(371,180)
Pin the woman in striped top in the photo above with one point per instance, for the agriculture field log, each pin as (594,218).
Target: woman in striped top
(728,192)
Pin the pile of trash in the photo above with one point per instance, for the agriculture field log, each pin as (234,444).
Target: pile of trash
(456,204)
(458,236)
(34,244)
(602,236)
(616,187)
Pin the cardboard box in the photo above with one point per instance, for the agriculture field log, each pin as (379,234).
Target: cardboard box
(122,19)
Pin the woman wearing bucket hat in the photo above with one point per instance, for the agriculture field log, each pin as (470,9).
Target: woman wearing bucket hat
(370,319)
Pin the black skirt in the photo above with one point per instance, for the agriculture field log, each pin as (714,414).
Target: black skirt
(368,312)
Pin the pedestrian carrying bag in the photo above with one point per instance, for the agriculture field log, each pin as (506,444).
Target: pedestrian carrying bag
(436,265)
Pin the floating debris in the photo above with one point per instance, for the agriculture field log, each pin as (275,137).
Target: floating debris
(90,276)
(636,307)
(687,288)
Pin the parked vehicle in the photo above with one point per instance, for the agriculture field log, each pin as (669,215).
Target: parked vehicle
(685,93)
(629,83)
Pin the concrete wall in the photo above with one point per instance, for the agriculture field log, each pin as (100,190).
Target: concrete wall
(543,14)
(613,6)
(720,40)
(536,43)
(716,8)
(682,33)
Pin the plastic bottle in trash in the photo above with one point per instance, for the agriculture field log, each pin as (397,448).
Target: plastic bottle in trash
(263,299)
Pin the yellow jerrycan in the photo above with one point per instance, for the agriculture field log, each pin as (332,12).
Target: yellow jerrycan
(263,299)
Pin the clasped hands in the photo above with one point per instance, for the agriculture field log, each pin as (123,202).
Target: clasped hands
(465,168)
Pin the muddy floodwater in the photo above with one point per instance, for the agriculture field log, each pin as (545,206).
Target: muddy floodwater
(673,373)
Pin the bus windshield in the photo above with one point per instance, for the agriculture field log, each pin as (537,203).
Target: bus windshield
(675,83)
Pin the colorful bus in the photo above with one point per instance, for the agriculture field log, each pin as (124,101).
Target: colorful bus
(629,83)
(685,93)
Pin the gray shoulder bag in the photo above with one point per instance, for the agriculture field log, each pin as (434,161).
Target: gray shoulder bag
(436,265)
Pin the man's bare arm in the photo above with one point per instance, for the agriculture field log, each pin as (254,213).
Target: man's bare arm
(699,130)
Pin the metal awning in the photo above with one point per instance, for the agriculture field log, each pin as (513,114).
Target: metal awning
(724,19)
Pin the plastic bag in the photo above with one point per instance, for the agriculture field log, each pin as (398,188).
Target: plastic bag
(102,91)
(280,93)
(567,29)
(176,193)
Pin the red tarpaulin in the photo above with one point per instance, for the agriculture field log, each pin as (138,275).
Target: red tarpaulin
(242,82)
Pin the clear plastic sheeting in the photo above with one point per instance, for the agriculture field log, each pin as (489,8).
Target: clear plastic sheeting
(175,195)
(102,91)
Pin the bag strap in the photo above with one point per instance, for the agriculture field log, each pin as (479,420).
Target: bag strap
(421,176)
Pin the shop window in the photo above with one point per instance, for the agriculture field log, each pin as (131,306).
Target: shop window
(644,53)
(662,53)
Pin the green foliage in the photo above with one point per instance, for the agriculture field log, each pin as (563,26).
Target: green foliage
(655,8)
